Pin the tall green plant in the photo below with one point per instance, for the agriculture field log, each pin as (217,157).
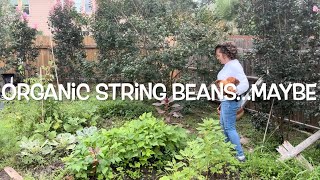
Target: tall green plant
(205,157)
(67,34)
(18,49)
(286,48)
(145,41)
(24,48)
(6,18)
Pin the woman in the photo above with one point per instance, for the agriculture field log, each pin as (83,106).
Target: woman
(226,53)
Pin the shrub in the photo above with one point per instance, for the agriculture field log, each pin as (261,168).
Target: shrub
(6,19)
(123,108)
(205,157)
(67,34)
(147,44)
(144,142)
(20,51)
(286,49)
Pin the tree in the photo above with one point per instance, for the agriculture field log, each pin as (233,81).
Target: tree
(67,35)
(286,48)
(152,41)
(18,48)
(6,17)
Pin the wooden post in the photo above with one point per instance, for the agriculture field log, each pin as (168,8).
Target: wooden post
(302,146)
(287,147)
(248,95)
(12,173)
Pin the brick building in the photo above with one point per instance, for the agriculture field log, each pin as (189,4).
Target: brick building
(38,11)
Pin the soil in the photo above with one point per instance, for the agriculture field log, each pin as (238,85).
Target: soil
(37,171)
(4,175)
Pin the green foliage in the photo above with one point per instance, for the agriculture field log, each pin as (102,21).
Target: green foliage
(18,50)
(138,143)
(6,19)
(17,120)
(24,49)
(18,114)
(67,34)
(206,156)
(123,108)
(38,150)
(286,49)
(306,174)
(226,9)
(222,14)
(25,119)
(33,151)
(89,110)
(57,121)
(8,138)
(145,41)
(168,109)
(264,165)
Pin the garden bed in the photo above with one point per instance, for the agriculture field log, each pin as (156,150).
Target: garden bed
(113,117)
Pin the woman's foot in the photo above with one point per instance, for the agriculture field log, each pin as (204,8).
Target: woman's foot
(241,158)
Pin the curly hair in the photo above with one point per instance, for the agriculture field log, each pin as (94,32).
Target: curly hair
(227,48)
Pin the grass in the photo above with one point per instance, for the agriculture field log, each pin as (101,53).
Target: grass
(245,128)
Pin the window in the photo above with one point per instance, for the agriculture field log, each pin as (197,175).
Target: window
(88,6)
(84,6)
(78,4)
(21,4)
(25,6)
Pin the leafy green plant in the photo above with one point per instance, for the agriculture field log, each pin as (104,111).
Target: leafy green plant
(123,108)
(33,151)
(168,110)
(64,141)
(59,119)
(205,157)
(138,143)
(87,131)
(73,124)
(38,150)
(25,118)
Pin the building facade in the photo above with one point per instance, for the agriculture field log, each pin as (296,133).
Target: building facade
(38,11)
